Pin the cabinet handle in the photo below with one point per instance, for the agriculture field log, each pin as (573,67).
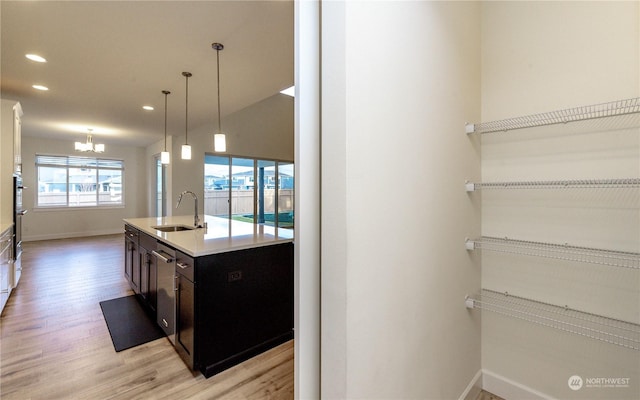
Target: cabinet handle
(164,258)
(182,265)
(175,283)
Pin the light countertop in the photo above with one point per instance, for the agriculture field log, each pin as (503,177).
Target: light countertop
(4,226)
(222,235)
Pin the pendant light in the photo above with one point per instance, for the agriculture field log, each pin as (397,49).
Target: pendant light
(219,138)
(186,149)
(165,157)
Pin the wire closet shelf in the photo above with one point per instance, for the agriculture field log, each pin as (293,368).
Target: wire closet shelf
(582,113)
(593,326)
(565,252)
(623,183)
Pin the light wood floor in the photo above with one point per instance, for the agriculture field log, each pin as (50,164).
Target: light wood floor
(484,395)
(55,343)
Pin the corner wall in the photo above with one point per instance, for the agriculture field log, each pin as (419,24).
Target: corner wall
(395,271)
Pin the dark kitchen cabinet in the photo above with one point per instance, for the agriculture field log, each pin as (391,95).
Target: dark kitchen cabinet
(185,307)
(243,305)
(132,258)
(148,272)
(218,309)
(140,266)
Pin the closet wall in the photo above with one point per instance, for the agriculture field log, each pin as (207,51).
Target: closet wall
(399,79)
(538,57)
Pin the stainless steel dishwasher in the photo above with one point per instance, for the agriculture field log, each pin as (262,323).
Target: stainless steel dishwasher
(166,311)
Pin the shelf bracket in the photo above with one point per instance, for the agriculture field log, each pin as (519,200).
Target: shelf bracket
(469,128)
(469,244)
(469,302)
(470,186)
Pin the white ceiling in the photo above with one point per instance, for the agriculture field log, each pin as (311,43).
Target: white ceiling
(106,59)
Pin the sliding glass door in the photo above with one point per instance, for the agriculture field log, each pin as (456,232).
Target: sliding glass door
(265,212)
(251,190)
(160,187)
(217,171)
(285,179)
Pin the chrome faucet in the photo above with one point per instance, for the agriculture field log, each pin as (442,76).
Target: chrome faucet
(196,219)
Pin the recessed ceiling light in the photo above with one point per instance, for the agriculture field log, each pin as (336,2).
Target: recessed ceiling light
(36,58)
(148,108)
(40,87)
(290,91)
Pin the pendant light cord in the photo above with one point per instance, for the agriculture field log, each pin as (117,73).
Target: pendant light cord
(165,92)
(218,63)
(186,108)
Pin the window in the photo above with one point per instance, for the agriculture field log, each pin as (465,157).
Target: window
(68,181)
(252,190)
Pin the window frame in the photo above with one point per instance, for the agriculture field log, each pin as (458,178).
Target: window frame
(71,162)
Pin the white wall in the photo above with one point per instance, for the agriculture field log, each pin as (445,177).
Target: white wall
(307,263)
(40,224)
(537,57)
(334,204)
(400,79)
(264,129)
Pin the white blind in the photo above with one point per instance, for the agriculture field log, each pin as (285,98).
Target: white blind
(79,162)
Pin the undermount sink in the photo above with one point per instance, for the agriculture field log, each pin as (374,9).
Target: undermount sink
(173,228)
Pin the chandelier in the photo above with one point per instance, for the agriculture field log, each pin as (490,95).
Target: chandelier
(89,145)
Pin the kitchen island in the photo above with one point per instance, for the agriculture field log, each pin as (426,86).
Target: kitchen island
(222,293)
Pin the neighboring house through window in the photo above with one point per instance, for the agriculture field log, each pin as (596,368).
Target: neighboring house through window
(70,181)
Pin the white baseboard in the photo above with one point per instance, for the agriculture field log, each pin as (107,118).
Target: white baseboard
(473,388)
(508,389)
(67,235)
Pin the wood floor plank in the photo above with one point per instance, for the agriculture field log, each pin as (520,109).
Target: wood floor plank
(54,342)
